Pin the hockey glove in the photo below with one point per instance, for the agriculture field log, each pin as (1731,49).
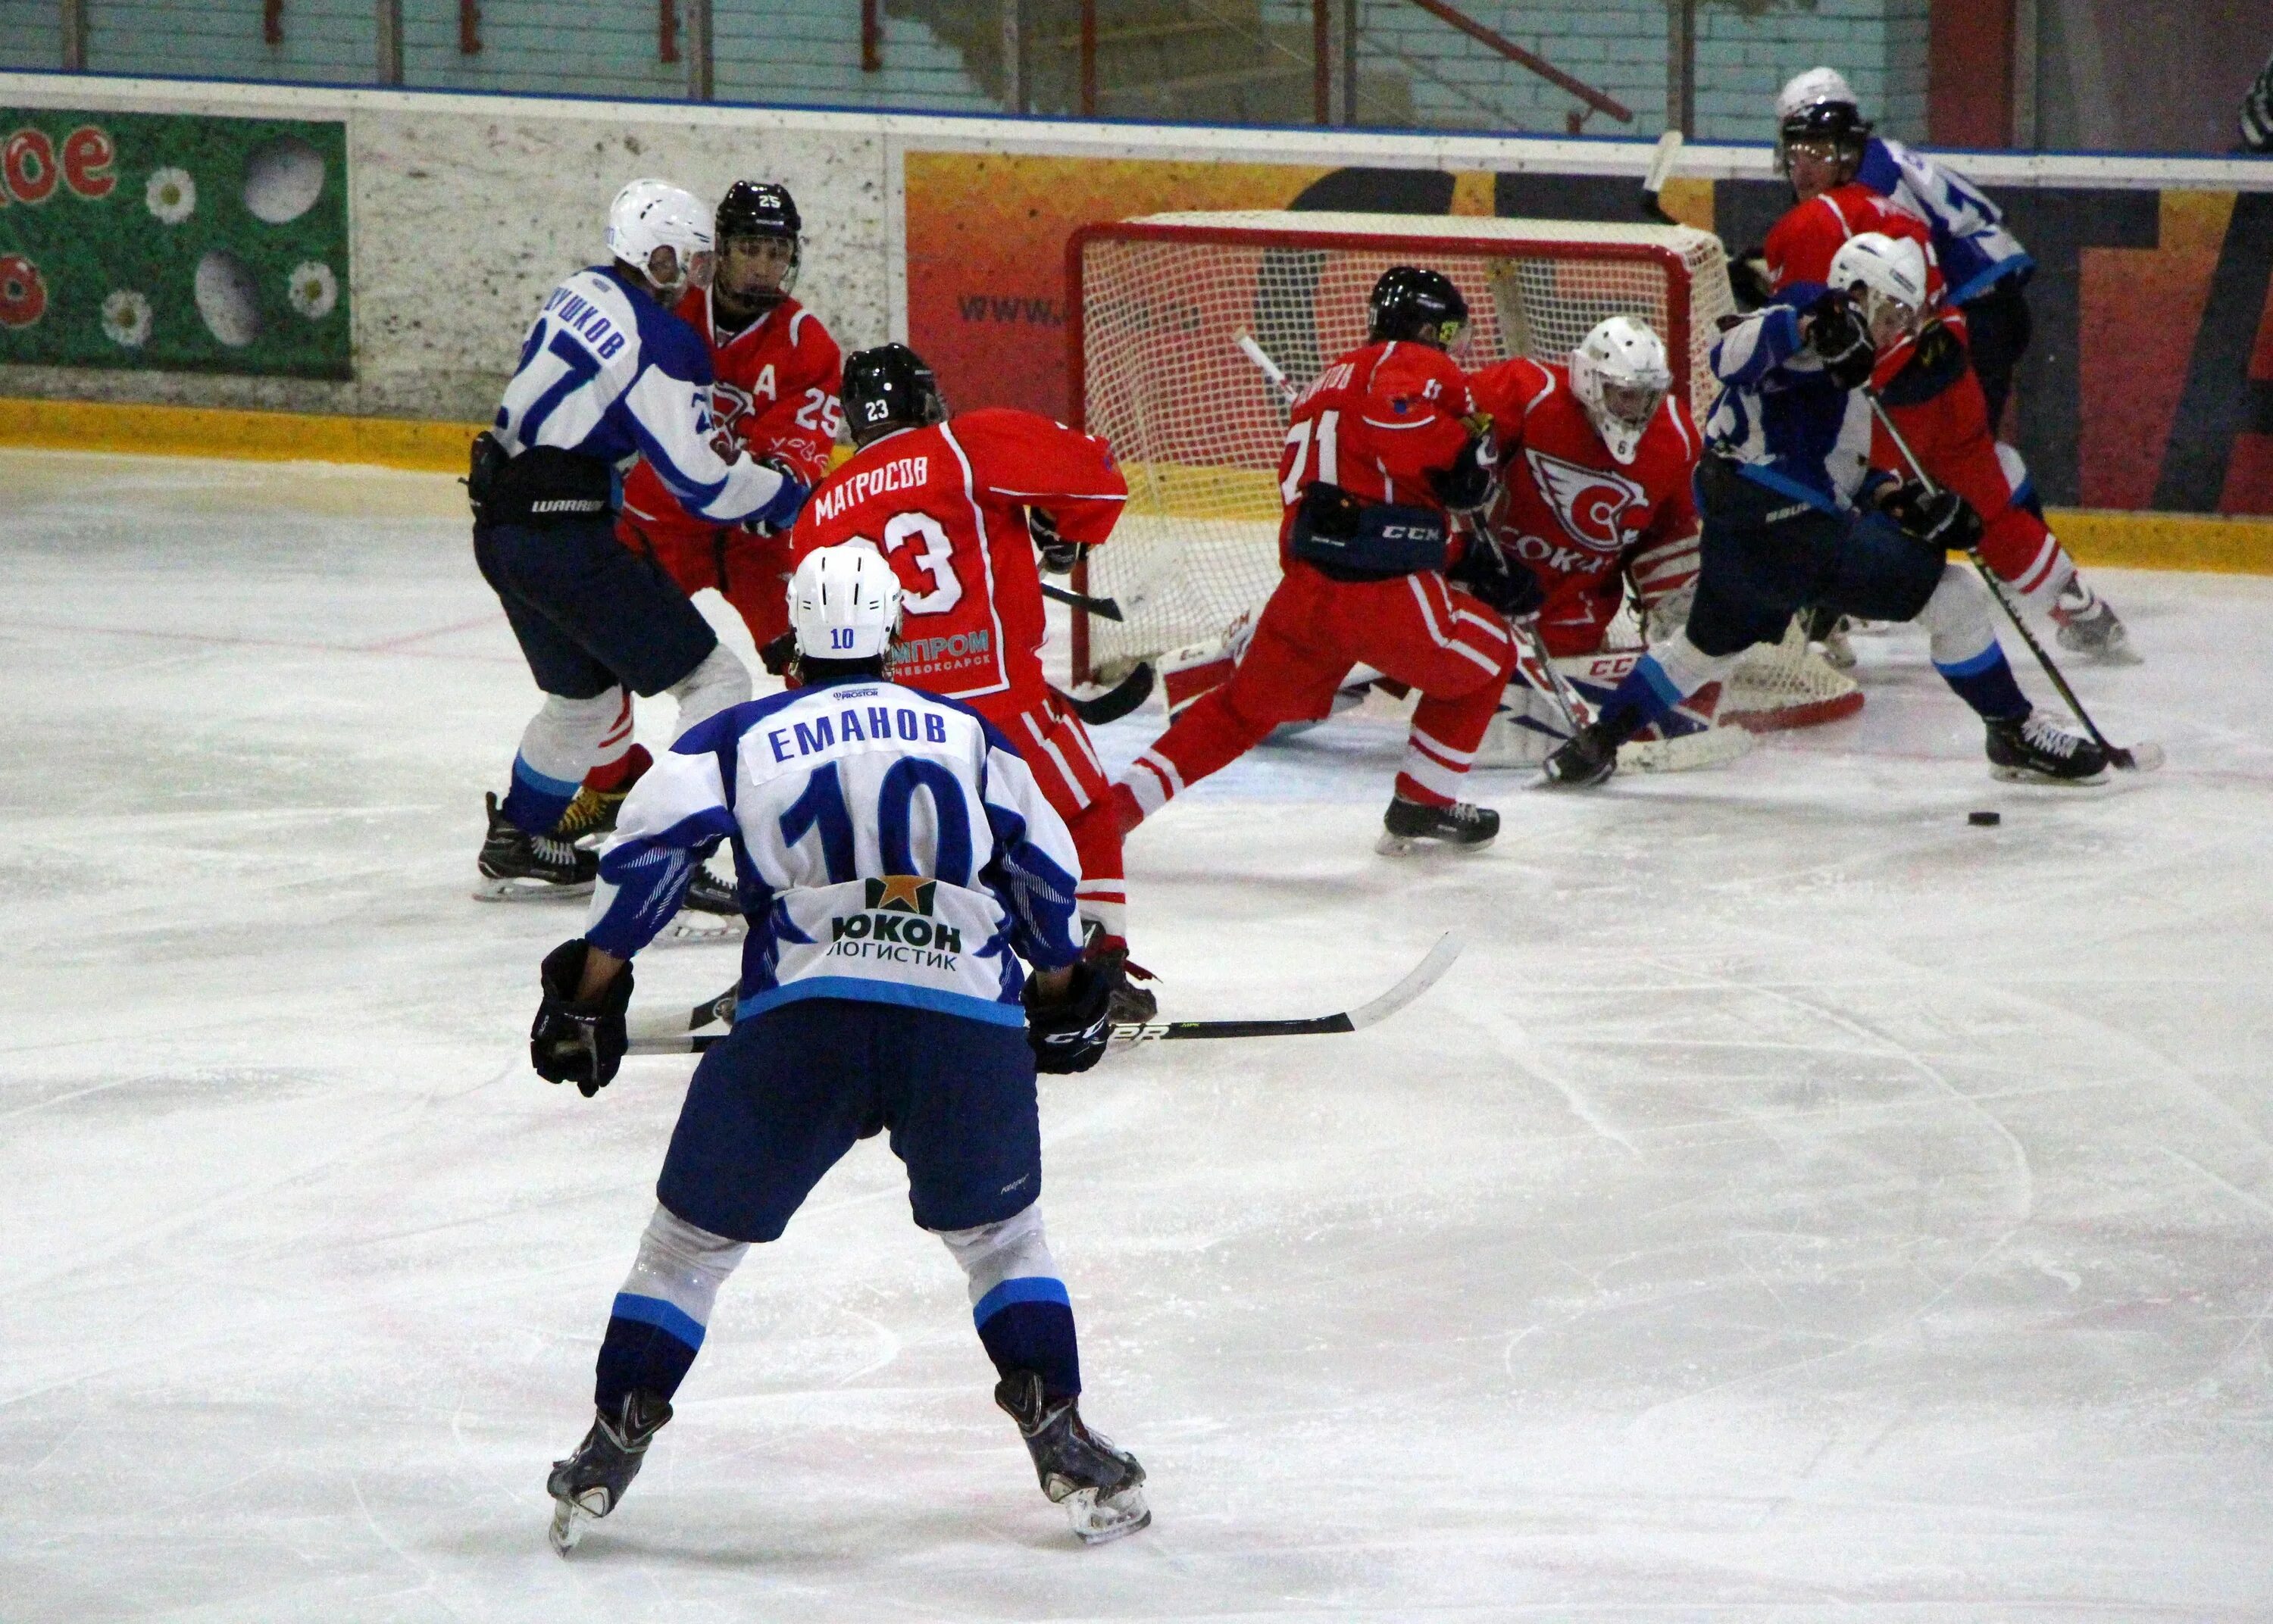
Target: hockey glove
(1467,485)
(779,656)
(1836,333)
(578,1041)
(1069,1034)
(1749,278)
(1058,556)
(1499,580)
(1942,520)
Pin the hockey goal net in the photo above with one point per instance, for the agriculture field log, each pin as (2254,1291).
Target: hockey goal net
(1163,302)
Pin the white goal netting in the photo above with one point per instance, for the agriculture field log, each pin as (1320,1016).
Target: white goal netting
(1163,302)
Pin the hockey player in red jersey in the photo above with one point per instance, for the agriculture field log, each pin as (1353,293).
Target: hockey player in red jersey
(959,506)
(1926,378)
(1379,450)
(1595,455)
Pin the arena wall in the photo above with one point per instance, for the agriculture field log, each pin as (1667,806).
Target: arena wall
(2148,388)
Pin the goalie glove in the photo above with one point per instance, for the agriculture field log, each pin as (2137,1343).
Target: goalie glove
(1067,1034)
(1942,520)
(574,1040)
(1836,333)
(1500,581)
(1058,555)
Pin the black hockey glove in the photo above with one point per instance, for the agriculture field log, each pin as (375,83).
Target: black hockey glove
(578,1041)
(1502,582)
(1749,280)
(1942,520)
(779,654)
(1058,555)
(1836,333)
(1069,1034)
(1467,485)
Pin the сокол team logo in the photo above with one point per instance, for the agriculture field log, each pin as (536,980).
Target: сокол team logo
(1588,501)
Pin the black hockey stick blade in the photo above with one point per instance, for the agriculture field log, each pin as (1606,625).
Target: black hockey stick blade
(676,1034)
(1104,608)
(1115,702)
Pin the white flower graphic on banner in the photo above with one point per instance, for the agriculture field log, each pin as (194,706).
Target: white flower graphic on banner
(312,290)
(126,318)
(172,195)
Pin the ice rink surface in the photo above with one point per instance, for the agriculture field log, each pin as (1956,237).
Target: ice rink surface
(1795,1205)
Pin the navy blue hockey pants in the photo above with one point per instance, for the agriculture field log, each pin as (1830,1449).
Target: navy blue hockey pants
(590,614)
(776,1105)
(1764,554)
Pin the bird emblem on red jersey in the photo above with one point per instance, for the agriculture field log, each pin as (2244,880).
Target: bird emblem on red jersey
(1590,502)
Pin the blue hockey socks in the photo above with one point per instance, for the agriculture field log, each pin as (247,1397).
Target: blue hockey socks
(1985,683)
(534,803)
(1027,1324)
(656,1327)
(1019,1303)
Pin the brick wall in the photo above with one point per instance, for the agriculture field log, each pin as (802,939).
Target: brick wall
(31,34)
(326,41)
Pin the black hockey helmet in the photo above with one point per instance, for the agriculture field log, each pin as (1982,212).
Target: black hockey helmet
(762,208)
(1408,303)
(889,387)
(1840,125)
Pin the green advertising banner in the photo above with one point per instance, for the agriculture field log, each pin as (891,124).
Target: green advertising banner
(186,242)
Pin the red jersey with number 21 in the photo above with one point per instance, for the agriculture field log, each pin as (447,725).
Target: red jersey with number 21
(945,505)
(1375,422)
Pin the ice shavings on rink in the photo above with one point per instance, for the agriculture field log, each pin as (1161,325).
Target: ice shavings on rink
(1795,1204)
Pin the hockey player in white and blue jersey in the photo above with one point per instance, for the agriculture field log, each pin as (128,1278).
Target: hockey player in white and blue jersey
(896,862)
(607,374)
(1794,515)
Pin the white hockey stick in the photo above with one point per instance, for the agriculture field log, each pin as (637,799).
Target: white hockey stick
(682,1034)
(1266,365)
(1660,171)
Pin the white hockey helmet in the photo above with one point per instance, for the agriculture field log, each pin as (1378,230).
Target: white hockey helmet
(845,603)
(1620,375)
(1816,87)
(1891,272)
(651,214)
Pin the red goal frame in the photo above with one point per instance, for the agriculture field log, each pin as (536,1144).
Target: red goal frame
(1421,243)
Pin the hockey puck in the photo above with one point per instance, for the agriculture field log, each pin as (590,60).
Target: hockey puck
(1984,819)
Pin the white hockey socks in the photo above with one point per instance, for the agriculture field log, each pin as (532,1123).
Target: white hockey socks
(1020,1307)
(721,680)
(559,745)
(656,1324)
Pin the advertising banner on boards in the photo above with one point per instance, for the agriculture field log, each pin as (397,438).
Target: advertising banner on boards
(181,242)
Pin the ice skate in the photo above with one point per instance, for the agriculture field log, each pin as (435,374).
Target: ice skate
(711,911)
(590,817)
(589,1482)
(1100,1485)
(1588,759)
(2091,628)
(517,864)
(1409,825)
(1828,629)
(2034,749)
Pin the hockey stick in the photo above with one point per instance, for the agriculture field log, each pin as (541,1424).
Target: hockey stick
(1660,171)
(1266,365)
(2140,758)
(1115,702)
(670,1035)
(1105,609)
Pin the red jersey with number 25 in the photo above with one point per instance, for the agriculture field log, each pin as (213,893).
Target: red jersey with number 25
(946,505)
(1578,518)
(1375,422)
(775,391)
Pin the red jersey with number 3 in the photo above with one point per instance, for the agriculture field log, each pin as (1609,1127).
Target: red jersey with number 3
(946,504)
(1577,517)
(1375,422)
(775,391)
